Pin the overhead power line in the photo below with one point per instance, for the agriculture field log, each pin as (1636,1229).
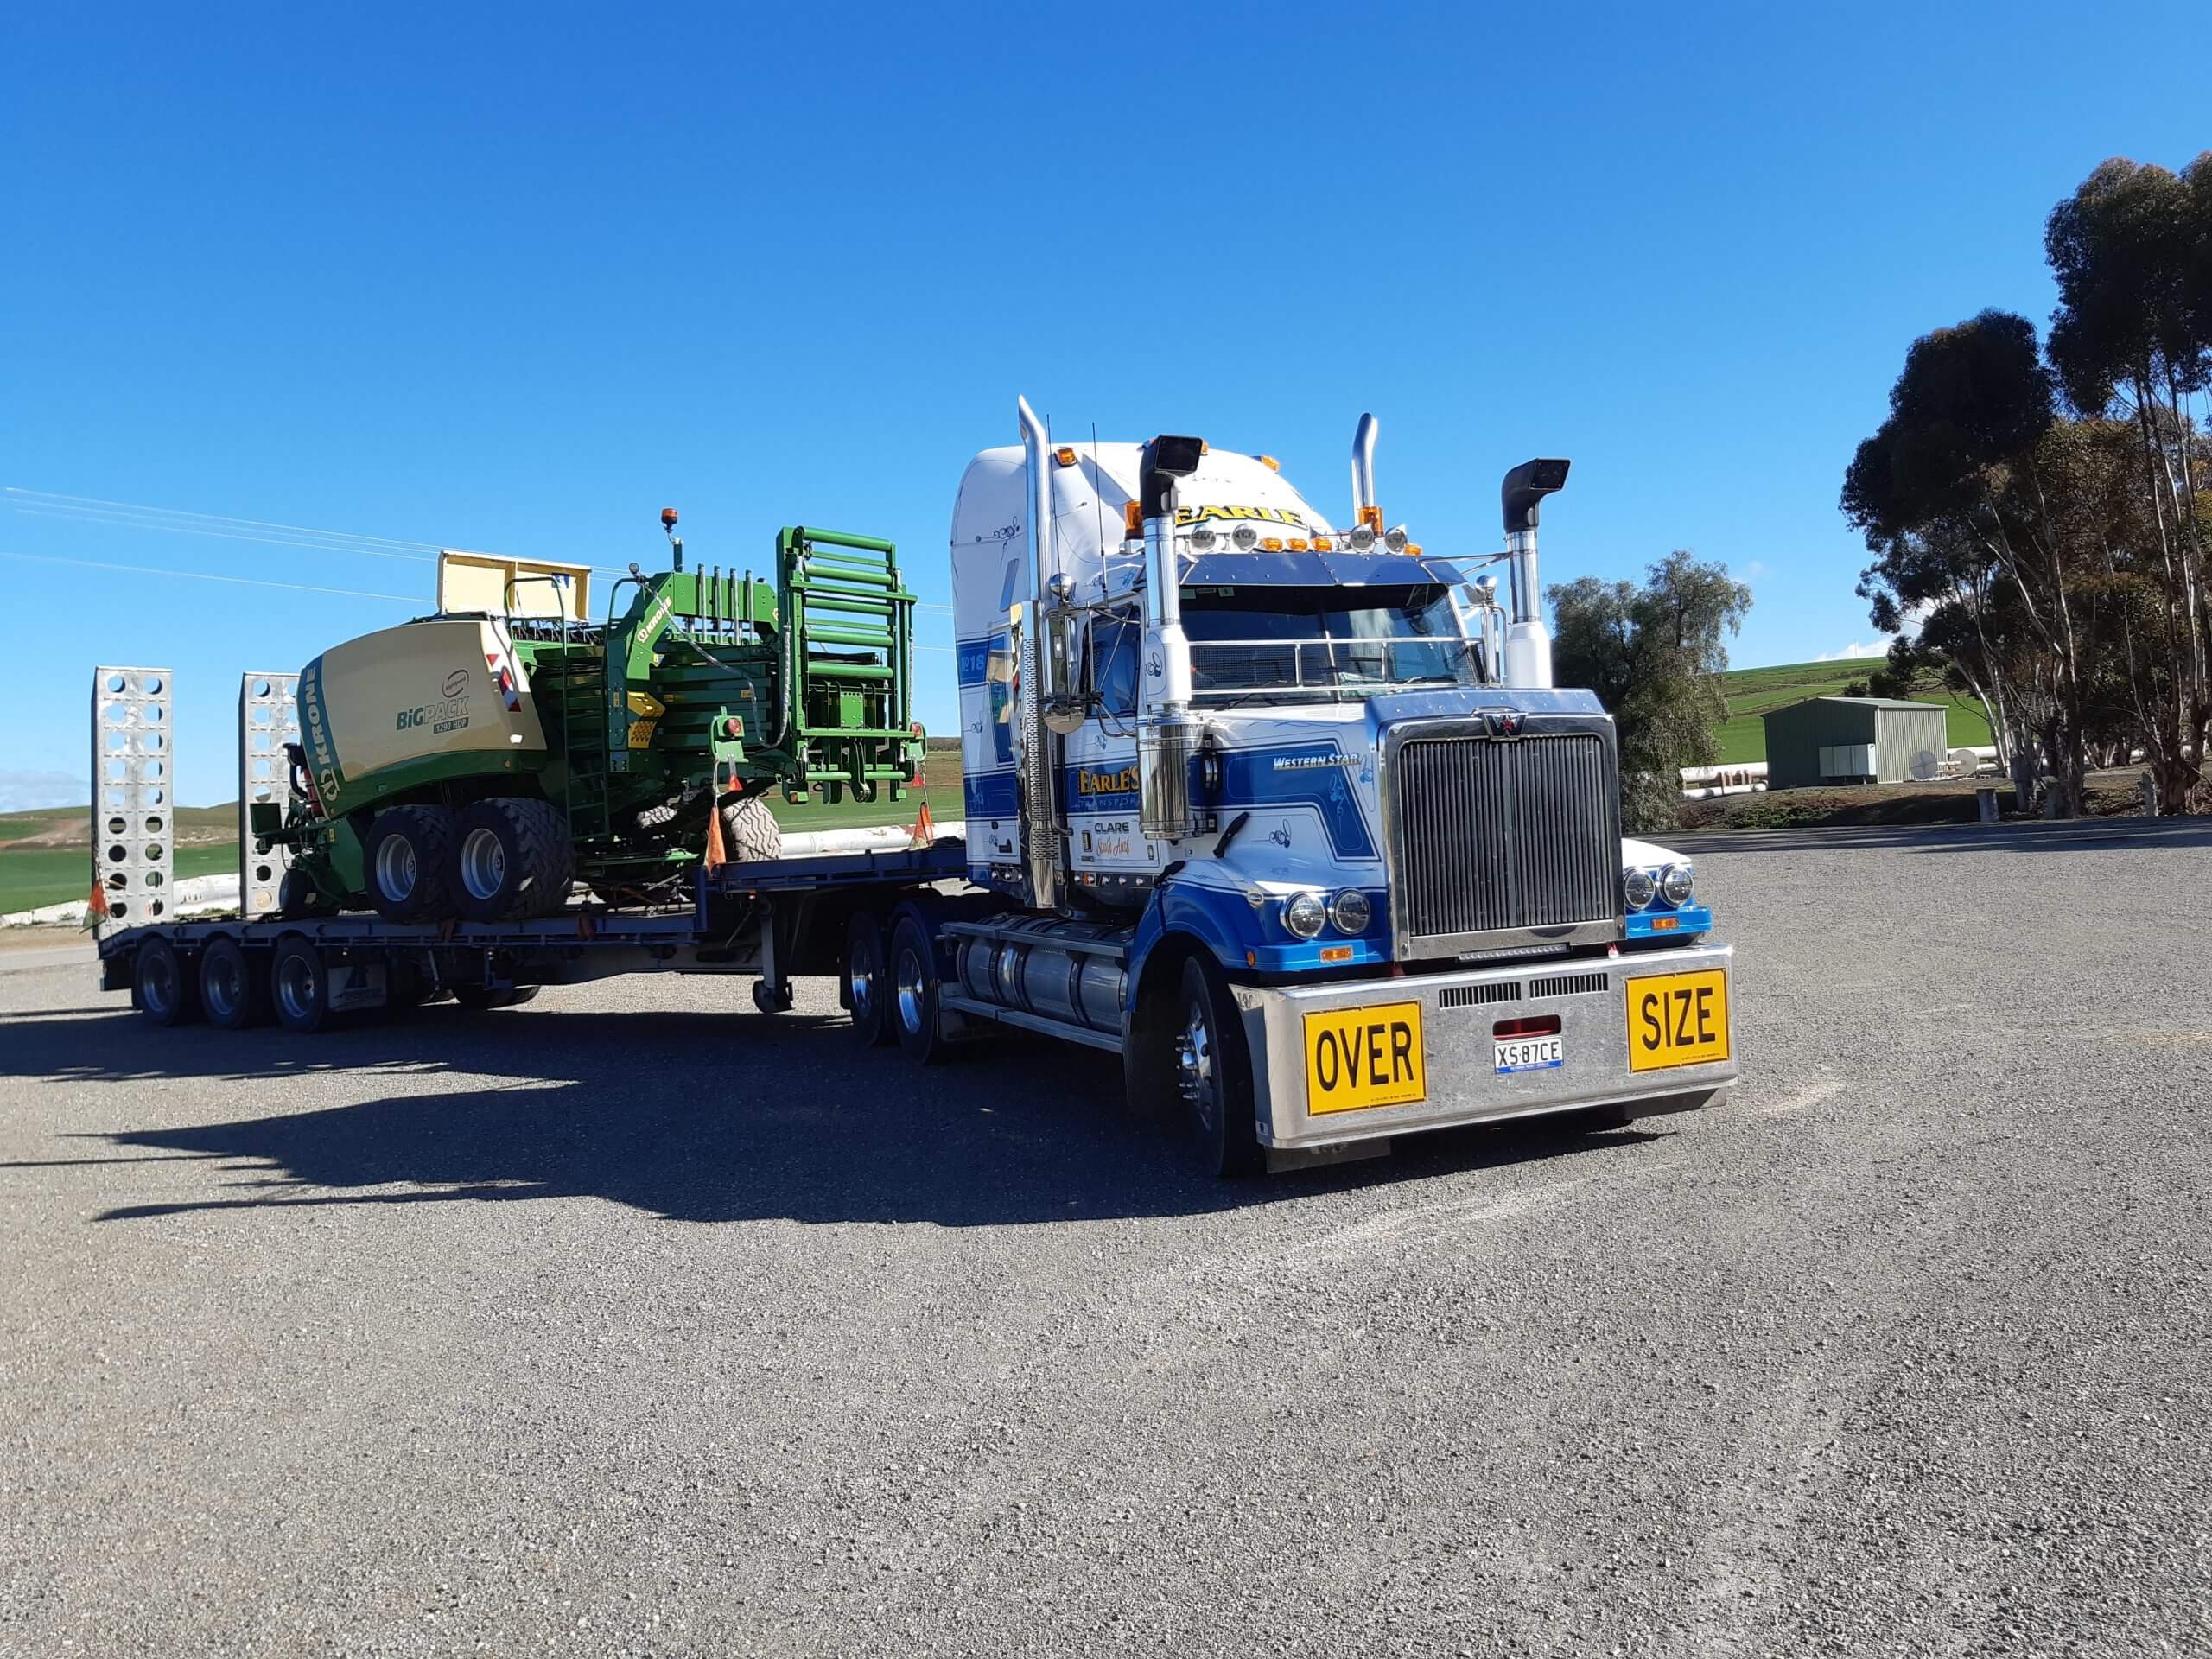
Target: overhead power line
(181,521)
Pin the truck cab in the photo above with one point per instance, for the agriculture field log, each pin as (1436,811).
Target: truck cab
(1302,798)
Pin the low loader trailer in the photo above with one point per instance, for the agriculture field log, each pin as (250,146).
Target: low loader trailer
(1289,818)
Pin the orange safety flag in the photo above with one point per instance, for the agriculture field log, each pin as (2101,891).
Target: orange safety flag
(96,906)
(924,830)
(717,855)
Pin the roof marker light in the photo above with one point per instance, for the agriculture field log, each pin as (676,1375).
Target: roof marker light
(1065,454)
(1271,463)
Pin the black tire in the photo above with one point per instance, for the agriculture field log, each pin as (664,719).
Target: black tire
(1212,1073)
(868,982)
(914,987)
(299,986)
(233,988)
(750,832)
(477,1000)
(298,898)
(160,988)
(510,859)
(406,864)
(777,1001)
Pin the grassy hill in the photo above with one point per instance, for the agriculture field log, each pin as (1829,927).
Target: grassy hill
(1752,691)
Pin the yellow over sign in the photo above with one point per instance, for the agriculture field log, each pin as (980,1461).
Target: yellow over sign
(1358,1058)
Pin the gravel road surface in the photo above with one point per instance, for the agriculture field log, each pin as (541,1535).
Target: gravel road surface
(587,1330)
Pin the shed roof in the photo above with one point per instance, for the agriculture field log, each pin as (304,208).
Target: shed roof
(1862,702)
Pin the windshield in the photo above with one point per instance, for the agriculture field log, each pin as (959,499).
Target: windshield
(1326,642)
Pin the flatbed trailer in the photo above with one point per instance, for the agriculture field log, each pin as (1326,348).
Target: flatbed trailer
(771,921)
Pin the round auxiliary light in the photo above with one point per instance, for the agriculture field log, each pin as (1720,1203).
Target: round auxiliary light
(1394,538)
(1638,888)
(1362,537)
(1304,915)
(1675,882)
(1245,537)
(1201,539)
(1352,913)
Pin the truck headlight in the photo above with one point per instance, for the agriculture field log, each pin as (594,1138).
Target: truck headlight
(1245,537)
(1352,913)
(1304,914)
(1638,887)
(1675,882)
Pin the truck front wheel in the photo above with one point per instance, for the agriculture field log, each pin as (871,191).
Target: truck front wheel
(511,858)
(406,856)
(1213,1073)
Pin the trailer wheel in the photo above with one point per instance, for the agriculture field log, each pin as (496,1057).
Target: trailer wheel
(299,986)
(868,986)
(233,995)
(476,999)
(406,859)
(165,993)
(913,1003)
(511,858)
(750,832)
(1213,1073)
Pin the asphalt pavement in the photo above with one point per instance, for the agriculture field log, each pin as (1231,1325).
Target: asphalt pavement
(633,1322)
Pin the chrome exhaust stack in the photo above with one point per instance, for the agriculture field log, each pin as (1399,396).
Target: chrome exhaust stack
(1528,645)
(1042,842)
(1168,738)
(1363,508)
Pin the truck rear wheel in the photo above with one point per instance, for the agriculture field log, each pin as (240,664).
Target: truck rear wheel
(1213,1073)
(750,832)
(165,993)
(867,985)
(511,858)
(406,860)
(299,986)
(233,995)
(914,986)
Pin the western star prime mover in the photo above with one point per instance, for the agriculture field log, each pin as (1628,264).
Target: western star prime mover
(1285,814)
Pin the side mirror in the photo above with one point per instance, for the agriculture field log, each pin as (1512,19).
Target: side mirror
(1067,646)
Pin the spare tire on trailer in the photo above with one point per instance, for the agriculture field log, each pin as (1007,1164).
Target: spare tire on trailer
(160,988)
(511,859)
(405,863)
(750,832)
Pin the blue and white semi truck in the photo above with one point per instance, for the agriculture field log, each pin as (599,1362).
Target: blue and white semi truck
(1287,815)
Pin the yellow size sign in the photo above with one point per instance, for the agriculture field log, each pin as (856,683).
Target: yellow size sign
(1357,1057)
(1677,1020)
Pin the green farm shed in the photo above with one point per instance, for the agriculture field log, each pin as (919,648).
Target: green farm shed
(1853,740)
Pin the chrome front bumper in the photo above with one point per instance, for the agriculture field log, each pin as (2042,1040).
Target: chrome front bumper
(1458,1012)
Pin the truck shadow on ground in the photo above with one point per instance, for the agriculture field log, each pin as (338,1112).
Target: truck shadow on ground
(695,1117)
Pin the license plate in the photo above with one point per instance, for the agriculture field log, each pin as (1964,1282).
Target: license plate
(1358,1058)
(1677,1020)
(1529,1053)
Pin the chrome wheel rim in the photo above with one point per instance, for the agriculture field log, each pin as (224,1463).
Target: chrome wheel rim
(396,868)
(1194,1067)
(483,864)
(296,988)
(910,987)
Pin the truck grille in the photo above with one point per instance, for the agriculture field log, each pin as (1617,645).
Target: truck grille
(1499,834)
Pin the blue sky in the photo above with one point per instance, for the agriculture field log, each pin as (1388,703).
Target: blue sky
(517,279)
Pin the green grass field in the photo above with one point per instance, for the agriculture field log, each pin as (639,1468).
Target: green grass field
(1752,692)
(53,875)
